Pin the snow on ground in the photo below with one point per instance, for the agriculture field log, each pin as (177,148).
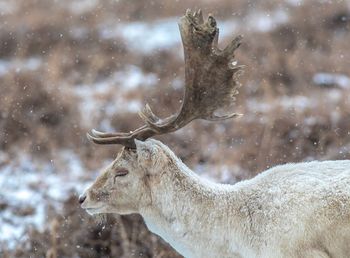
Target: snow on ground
(108,95)
(82,6)
(7,7)
(294,2)
(144,36)
(266,21)
(331,80)
(18,65)
(298,103)
(161,34)
(28,187)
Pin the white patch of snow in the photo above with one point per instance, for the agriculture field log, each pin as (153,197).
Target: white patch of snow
(177,84)
(7,7)
(161,34)
(133,77)
(228,27)
(30,186)
(332,79)
(335,95)
(106,125)
(335,117)
(144,36)
(78,32)
(18,65)
(265,21)
(82,6)
(109,95)
(297,103)
(310,121)
(295,2)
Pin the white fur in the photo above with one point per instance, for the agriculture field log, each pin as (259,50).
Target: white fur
(293,210)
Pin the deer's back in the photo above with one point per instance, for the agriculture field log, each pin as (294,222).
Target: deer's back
(300,207)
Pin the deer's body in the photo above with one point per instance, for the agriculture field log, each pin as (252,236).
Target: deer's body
(294,210)
(290,211)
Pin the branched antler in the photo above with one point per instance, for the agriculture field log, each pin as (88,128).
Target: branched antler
(210,83)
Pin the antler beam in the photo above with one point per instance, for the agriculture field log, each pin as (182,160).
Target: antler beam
(210,83)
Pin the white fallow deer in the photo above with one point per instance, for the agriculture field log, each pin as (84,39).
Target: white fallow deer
(294,210)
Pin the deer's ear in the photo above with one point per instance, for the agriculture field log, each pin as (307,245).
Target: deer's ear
(146,152)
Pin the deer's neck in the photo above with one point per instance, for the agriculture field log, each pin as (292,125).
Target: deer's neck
(188,211)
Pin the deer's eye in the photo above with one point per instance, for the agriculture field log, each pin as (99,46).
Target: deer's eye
(120,172)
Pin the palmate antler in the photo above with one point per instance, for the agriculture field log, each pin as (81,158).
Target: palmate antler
(210,83)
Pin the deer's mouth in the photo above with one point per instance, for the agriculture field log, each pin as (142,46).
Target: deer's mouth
(94,210)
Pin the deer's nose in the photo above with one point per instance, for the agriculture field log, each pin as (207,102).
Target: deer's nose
(82,198)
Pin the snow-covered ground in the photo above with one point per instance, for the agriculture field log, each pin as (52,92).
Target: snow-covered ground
(161,34)
(29,187)
(7,7)
(18,65)
(108,96)
(146,37)
(332,80)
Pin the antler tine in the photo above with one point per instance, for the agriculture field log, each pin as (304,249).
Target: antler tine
(148,116)
(200,16)
(99,134)
(234,44)
(126,141)
(210,83)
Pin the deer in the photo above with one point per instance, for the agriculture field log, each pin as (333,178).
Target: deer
(292,210)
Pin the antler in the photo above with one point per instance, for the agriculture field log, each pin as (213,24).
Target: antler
(210,83)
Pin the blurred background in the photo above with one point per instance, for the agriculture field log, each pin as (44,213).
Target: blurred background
(69,66)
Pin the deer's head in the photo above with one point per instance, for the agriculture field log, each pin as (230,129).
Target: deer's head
(210,85)
(125,185)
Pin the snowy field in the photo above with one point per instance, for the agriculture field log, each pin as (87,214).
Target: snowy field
(29,188)
(108,65)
